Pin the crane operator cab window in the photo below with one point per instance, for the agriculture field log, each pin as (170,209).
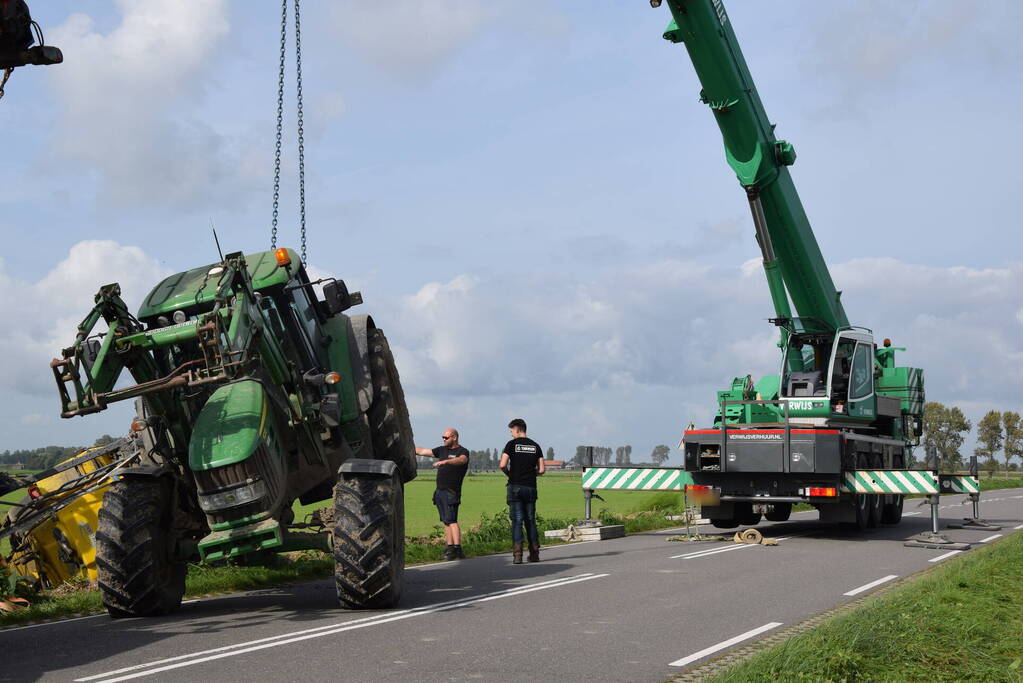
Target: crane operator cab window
(852,376)
(804,368)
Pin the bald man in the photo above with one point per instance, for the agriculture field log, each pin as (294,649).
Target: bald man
(452,464)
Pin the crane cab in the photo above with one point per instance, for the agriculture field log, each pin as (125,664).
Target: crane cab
(829,376)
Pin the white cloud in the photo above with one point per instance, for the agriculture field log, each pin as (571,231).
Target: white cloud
(633,353)
(409,38)
(48,311)
(123,94)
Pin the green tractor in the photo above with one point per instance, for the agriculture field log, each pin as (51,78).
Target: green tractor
(251,393)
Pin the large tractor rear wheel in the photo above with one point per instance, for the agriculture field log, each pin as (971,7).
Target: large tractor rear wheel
(369,540)
(138,575)
(389,422)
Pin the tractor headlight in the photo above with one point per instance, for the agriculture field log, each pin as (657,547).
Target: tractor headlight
(232,497)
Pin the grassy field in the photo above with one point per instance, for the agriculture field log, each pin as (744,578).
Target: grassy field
(960,622)
(561,496)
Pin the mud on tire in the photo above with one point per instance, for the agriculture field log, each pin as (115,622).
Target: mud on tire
(137,575)
(369,541)
(389,423)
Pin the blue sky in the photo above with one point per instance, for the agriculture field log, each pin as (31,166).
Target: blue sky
(531,198)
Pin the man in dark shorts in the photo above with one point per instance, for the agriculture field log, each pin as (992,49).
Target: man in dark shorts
(522,462)
(452,464)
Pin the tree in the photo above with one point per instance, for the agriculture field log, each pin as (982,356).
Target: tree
(550,452)
(628,454)
(104,440)
(990,465)
(989,435)
(944,430)
(660,454)
(1013,436)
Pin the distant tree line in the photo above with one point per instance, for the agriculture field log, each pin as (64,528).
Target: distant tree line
(622,456)
(999,437)
(46,456)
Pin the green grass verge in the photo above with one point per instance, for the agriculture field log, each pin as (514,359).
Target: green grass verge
(961,621)
(490,534)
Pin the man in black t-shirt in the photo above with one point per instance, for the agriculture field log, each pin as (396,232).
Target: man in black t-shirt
(522,461)
(452,464)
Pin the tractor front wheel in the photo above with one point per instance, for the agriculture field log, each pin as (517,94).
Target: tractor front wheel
(369,540)
(138,574)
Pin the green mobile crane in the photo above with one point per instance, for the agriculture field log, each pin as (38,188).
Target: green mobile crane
(251,392)
(840,410)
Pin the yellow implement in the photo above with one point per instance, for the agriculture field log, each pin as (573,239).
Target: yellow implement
(53,529)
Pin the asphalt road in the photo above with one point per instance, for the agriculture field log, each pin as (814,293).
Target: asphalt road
(633,609)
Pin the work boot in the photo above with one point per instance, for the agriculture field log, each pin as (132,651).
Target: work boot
(516,553)
(534,553)
(449,553)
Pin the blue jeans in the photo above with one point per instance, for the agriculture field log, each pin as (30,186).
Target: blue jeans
(522,511)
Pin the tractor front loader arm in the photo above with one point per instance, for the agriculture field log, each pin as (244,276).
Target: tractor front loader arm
(93,364)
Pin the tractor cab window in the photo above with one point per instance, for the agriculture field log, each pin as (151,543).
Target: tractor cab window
(861,380)
(307,324)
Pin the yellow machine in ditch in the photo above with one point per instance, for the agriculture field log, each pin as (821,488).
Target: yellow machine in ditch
(52,530)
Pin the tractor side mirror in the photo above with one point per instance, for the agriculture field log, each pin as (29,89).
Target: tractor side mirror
(338,298)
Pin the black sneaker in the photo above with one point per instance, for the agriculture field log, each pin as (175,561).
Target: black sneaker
(459,555)
(450,553)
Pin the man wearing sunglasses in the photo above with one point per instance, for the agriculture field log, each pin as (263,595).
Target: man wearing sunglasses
(452,464)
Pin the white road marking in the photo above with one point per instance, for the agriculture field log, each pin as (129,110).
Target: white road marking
(1017,527)
(989,538)
(870,585)
(939,558)
(715,551)
(737,546)
(910,514)
(330,629)
(1014,497)
(725,643)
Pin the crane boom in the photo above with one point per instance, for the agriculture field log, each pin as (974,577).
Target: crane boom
(792,258)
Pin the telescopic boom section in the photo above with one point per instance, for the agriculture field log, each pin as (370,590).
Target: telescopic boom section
(792,258)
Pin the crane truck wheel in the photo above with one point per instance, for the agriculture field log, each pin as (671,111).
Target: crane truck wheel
(861,507)
(780,512)
(724,522)
(138,576)
(369,540)
(388,415)
(874,511)
(891,513)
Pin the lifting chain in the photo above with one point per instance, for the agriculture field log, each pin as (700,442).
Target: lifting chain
(280,124)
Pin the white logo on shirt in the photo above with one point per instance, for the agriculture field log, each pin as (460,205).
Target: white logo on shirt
(524,448)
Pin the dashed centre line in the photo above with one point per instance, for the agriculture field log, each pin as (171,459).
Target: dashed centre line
(868,586)
(939,558)
(725,643)
(989,538)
